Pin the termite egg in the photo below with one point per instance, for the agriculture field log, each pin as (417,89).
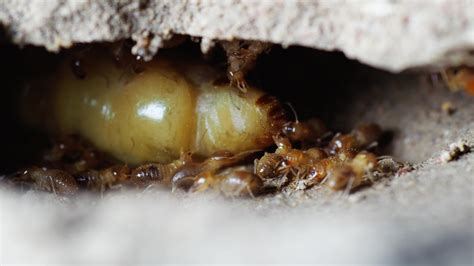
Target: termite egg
(173,105)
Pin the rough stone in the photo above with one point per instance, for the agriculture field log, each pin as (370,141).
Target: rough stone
(390,34)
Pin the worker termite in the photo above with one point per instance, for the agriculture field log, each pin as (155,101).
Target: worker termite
(192,172)
(171,106)
(153,172)
(51,180)
(232,182)
(311,130)
(300,169)
(241,57)
(352,174)
(100,180)
(285,157)
(459,78)
(286,163)
(363,136)
(387,165)
(138,177)
(223,171)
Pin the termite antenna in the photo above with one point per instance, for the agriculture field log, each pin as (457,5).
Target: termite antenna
(293,111)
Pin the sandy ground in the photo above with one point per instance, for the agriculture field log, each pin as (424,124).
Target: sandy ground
(424,216)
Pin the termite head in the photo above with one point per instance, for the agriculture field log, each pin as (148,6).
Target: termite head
(342,143)
(351,174)
(269,166)
(241,58)
(361,137)
(318,172)
(185,176)
(307,131)
(283,143)
(342,177)
(387,165)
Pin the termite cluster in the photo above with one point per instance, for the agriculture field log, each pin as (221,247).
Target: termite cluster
(175,122)
(340,162)
(344,162)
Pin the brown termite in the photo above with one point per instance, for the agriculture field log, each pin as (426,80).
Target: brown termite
(139,177)
(301,169)
(287,163)
(232,182)
(51,180)
(308,131)
(192,173)
(102,180)
(387,165)
(352,174)
(363,136)
(241,58)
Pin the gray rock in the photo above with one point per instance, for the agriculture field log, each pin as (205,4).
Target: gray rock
(390,34)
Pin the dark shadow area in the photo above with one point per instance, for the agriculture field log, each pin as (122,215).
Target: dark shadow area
(19,145)
(316,83)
